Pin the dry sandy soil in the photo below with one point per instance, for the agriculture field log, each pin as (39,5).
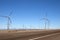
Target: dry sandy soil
(4,35)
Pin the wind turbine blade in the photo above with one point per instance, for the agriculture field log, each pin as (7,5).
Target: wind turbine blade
(3,16)
(10,13)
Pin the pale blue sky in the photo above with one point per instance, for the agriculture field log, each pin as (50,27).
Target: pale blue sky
(29,13)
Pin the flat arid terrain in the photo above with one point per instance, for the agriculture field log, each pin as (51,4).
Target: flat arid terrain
(30,35)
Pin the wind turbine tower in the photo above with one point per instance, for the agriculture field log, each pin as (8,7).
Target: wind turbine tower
(9,21)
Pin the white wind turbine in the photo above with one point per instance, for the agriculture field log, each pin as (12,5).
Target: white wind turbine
(8,20)
(45,18)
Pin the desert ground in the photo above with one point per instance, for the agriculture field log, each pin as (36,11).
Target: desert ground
(24,34)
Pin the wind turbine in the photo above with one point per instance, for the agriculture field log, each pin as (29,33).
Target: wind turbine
(23,27)
(8,20)
(45,18)
(30,27)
